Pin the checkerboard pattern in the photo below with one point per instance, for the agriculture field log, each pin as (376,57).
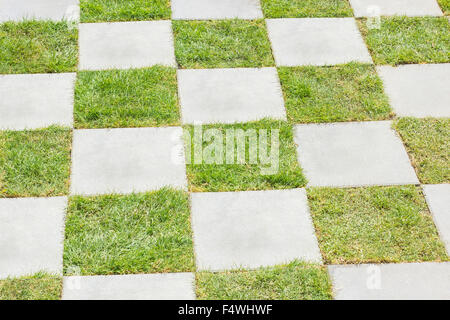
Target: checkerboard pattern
(96,191)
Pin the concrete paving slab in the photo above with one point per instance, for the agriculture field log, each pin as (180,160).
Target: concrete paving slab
(230,95)
(31,101)
(124,45)
(316,41)
(17,10)
(353,154)
(31,235)
(252,229)
(216,9)
(168,286)
(411,8)
(418,90)
(438,199)
(409,281)
(127,160)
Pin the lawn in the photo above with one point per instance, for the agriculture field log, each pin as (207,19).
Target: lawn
(445,6)
(40,286)
(306,8)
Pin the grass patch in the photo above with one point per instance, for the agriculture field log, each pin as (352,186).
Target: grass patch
(120,10)
(306,8)
(38,47)
(351,92)
(222,44)
(374,225)
(402,40)
(223,176)
(126,234)
(126,98)
(427,142)
(295,281)
(40,286)
(35,162)
(445,6)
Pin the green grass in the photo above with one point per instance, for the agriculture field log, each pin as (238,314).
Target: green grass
(126,98)
(38,47)
(351,92)
(445,6)
(306,8)
(222,44)
(374,225)
(428,144)
(126,234)
(224,176)
(295,281)
(402,40)
(35,162)
(124,10)
(40,286)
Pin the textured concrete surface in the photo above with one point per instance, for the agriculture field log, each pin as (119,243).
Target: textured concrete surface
(123,45)
(252,229)
(353,154)
(316,41)
(371,8)
(230,95)
(17,10)
(30,101)
(127,160)
(169,286)
(216,9)
(438,199)
(392,281)
(31,235)
(418,90)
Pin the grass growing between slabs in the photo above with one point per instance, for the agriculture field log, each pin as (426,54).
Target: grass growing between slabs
(40,286)
(306,8)
(126,234)
(225,175)
(126,98)
(294,281)
(445,6)
(374,225)
(38,47)
(427,142)
(402,40)
(35,162)
(351,92)
(222,44)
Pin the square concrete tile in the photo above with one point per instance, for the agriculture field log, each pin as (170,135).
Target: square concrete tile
(411,8)
(31,101)
(419,90)
(438,199)
(127,160)
(316,41)
(252,229)
(124,45)
(17,10)
(216,9)
(415,281)
(230,95)
(31,235)
(168,286)
(353,154)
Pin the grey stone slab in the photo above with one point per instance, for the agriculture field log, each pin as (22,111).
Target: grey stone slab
(31,235)
(17,10)
(316,41)
(230,95)
(252,229)
(353,154)
(411,8)
(409,281)
(418,90)
(168,286)
(216,9)
(30,101)
(127,160)
(438,199)
(123,45)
